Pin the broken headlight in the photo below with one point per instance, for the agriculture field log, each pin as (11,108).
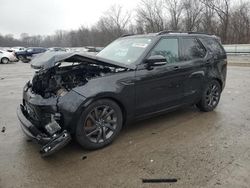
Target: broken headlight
(61,92)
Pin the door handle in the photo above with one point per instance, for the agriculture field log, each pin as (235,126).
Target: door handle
(128,82)
(176,68)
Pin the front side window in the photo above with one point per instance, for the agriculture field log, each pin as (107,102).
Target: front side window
(192,49)
(125,50)
(167,47)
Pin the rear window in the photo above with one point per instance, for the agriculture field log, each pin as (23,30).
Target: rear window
(192,49)
(213,45)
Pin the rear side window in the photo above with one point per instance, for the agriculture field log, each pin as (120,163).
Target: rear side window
(192,49)
(167,47)
(213,45)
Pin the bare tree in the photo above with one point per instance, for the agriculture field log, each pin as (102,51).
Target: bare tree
(222,8)
(175,8)
(231,23)
(115,20)
(239,30)
(150,16)
(208,20)
(192,14)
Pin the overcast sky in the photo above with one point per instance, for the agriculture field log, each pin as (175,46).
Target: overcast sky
(46,16)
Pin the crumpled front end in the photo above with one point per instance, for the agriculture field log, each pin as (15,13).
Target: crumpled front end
(51,104)
(44,119)
(50,142)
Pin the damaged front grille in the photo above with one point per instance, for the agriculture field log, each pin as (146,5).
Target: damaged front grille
(31,112)
(38,115)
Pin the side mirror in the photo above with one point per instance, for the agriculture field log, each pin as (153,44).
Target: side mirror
(156,60)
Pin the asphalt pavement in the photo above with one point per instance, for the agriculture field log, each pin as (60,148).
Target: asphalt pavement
(194,148)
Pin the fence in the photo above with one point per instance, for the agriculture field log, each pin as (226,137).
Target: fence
(237,48)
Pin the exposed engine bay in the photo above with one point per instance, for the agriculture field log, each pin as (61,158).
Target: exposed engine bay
(60,79)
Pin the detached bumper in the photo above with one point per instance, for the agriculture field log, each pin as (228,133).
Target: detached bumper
(50,144)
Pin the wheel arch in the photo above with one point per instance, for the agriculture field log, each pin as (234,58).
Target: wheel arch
(220,82)
(84,105)
(214,77)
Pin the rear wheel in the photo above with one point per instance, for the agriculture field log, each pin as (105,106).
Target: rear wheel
(5,60)
(99,124)
(25,60)
(20,57)
(210,96)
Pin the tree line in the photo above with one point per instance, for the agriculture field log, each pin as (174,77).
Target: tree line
(230,21)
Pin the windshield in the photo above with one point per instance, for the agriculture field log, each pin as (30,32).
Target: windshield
(125,50)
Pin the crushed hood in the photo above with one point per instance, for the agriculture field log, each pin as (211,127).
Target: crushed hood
(48,60)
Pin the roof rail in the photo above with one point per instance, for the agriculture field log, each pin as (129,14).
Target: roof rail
(183,32)
(196,32)
(126,35)
(169,31)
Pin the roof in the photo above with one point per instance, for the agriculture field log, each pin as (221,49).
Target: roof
(169,32)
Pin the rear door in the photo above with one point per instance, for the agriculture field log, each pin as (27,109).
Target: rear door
(216,64)
(193,59)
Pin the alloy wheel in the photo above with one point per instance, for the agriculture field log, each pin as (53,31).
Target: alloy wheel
(212,95)
(100,124)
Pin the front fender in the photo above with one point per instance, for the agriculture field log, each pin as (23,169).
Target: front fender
(118,87)
(68,106)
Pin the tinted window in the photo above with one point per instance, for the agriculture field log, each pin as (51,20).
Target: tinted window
(192,49)
(213,45)
(168,48)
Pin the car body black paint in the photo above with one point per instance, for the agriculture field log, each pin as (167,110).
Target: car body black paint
(139,91)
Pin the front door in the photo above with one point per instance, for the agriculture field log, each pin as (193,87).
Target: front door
(160,87)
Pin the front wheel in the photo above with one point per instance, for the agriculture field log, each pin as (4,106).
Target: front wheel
(5,60)
(99,124)
(210,96)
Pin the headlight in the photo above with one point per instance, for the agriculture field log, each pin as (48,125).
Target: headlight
(61,92)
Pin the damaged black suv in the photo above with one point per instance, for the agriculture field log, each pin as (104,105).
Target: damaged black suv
(90,97)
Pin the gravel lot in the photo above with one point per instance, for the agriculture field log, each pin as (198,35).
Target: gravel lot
(199,149)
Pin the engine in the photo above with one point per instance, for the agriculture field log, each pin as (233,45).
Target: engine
(59,80)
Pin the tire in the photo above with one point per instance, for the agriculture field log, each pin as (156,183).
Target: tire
(210,96)
(99,124)
(5,60)
(20,57)
(25,60)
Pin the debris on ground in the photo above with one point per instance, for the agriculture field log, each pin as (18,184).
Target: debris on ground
(3,129)
(171,180)
(84,157)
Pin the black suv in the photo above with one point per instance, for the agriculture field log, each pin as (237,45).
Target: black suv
(91,97)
